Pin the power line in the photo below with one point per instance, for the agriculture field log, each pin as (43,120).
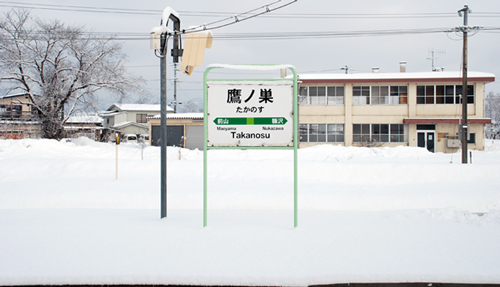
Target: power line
(94,9)
(34,35)
(240,17)
(74,8)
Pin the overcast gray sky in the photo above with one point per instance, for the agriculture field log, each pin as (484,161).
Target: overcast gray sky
(309,54)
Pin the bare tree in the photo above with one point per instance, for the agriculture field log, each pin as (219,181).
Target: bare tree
(492,110)
(191,107)
(61,67)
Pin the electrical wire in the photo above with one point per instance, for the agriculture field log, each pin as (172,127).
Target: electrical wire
(239,18)
(94,9)
(34,35)
(75,8)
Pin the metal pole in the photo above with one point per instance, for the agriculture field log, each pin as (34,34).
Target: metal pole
(205,148)
(116,175)
(295,150)
(163,123)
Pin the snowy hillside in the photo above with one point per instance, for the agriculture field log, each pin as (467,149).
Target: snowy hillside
(365,215)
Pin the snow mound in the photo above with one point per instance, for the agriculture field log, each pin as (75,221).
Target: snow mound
(85,141)
(458,215)
(341,153)
(491,144)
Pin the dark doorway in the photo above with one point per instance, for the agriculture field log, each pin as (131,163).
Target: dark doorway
(175,136)
(426,140)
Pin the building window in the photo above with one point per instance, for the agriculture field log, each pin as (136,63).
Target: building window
(472,138)
(399,133)
(361,95)
(141,118)
(335,95)
(361,133)
(10,111)
(443,94)
(317,96)
(320,96)
(366,133)
(380,133)
(399,95)
(380,95)
(321,133)
(303,96)
(426,127)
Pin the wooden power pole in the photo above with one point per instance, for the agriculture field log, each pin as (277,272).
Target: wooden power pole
(465,126)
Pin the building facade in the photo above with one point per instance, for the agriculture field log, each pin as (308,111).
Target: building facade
(183,130)
(391,109)
(84,125)
(16,118)
(130,118)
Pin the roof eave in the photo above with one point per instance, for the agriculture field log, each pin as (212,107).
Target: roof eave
(397,80)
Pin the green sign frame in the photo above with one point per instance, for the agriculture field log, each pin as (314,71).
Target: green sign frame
(251,121)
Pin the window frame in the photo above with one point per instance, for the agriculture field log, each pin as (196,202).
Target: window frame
(322,95)
(382,133)
(322,133)
(444,94)
(380,95)
(141,118)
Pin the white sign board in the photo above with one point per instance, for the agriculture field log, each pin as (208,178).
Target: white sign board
(250,113)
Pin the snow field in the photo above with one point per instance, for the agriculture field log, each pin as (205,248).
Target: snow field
(365,215)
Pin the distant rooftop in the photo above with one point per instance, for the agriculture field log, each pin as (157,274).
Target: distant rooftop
(84,119)
(13,96)
(194,116)
(396,77)
(138,107)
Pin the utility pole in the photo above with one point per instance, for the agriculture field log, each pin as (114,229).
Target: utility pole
(465,127)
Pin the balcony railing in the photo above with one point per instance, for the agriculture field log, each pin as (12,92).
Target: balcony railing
(16,115)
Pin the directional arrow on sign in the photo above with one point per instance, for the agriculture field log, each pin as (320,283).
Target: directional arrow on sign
(250,121)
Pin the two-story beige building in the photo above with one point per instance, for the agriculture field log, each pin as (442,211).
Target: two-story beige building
(130,118)
(16,118)
(15,106)
(391,109)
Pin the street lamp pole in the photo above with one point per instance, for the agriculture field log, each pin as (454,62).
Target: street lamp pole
(163,124)
(159,42)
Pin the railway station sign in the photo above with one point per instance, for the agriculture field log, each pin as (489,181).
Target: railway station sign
(250,113)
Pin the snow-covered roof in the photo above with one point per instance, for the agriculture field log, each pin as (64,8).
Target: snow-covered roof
(252,67)
(181,116)
(138,107)
(13,96)
(422,76)
(126,124)
(84,119)
(109,113)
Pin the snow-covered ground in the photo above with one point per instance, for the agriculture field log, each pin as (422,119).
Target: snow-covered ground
(365,215)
